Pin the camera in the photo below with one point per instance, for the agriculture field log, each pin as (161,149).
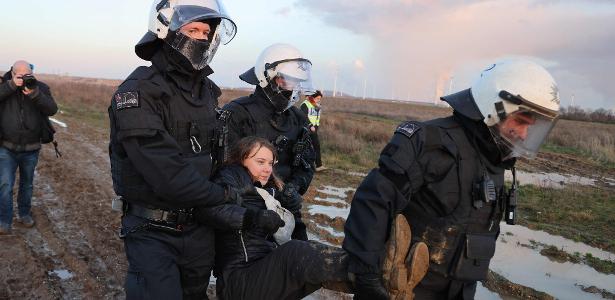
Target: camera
(29,81)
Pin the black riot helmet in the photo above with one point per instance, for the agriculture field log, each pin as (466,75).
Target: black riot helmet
(167,18)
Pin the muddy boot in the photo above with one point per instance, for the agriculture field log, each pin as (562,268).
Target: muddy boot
(417,263)
(403,268)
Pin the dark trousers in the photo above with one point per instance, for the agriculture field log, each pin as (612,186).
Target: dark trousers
(165,265)
(435,287)
(291,271)
(9,162)
(316,144)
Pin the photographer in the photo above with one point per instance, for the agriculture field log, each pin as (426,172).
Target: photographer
(24,105)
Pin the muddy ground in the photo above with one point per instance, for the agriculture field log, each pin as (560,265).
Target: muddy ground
(74,251)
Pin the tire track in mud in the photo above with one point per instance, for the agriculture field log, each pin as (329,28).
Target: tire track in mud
(21,276)
(549,162)
(75,227)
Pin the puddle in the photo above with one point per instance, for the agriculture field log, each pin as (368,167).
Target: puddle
(314,237)
(336,196)
(528,267)
(63,274)
(483,293)
(329,211)
(334,201)
(520,265)
(567,245)
(552,180)
(335,191)
(330,230)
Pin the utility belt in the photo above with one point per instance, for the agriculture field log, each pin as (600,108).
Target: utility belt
(171,221)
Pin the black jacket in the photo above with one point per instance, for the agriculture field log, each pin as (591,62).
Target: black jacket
(428,172)
(254,115)
(238,247)
(163,121)
(21,116)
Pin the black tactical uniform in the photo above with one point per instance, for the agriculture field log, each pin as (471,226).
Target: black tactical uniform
(446,177)
(254,115)
(163,121)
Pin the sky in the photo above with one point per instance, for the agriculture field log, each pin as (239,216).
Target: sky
(395,49)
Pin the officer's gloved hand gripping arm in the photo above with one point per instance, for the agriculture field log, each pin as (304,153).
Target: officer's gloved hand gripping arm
(382,194)
(157,157)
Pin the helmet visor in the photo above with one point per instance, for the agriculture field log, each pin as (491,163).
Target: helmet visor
(523,132)
(187,11)
(294,75)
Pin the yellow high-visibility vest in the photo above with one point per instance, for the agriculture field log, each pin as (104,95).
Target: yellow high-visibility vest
(313,113)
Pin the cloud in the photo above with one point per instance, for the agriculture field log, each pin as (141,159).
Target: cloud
(284,11)
(417,41)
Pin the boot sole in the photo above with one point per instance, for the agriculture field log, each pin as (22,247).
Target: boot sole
(394,270)
(404,267)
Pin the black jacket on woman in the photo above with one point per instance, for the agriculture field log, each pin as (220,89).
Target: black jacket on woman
(238,247)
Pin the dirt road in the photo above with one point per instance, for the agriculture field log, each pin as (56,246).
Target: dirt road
(73,250)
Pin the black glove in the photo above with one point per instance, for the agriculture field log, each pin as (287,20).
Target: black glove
(290,198)
(300,232)
(267,220)
(369,286)
(234,195)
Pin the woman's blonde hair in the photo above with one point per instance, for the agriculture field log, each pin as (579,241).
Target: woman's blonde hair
(244,147)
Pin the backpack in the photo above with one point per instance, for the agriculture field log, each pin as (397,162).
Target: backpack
(47,134)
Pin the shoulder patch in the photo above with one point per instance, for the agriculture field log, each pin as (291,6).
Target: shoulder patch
(408,128)
(125,100)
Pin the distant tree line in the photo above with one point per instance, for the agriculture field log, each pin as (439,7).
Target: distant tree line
(599,115)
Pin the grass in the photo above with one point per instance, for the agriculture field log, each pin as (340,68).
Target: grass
(353,142)
(559,255)
(593,140)
(601,265)
(95,118)
(581,213)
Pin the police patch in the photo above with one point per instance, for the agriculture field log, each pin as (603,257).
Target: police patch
(126,100)
(408,128)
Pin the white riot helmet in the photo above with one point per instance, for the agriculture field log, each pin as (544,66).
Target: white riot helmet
(519,101)
(168,16)
(284,74)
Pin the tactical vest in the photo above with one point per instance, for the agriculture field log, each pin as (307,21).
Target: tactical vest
(192,126)
(461,236)
(313,113)
(283,132)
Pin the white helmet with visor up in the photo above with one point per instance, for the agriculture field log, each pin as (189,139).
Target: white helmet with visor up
(282,70)
(168,16)
(519,101)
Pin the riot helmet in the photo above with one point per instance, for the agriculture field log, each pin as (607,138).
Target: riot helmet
(283,73)
(519,103)
(167,17)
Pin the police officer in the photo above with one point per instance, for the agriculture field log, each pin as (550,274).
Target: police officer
(446,176)
(163,122)
(281,74)
(311,107)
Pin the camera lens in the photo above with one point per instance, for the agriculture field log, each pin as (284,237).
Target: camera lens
(29,81)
